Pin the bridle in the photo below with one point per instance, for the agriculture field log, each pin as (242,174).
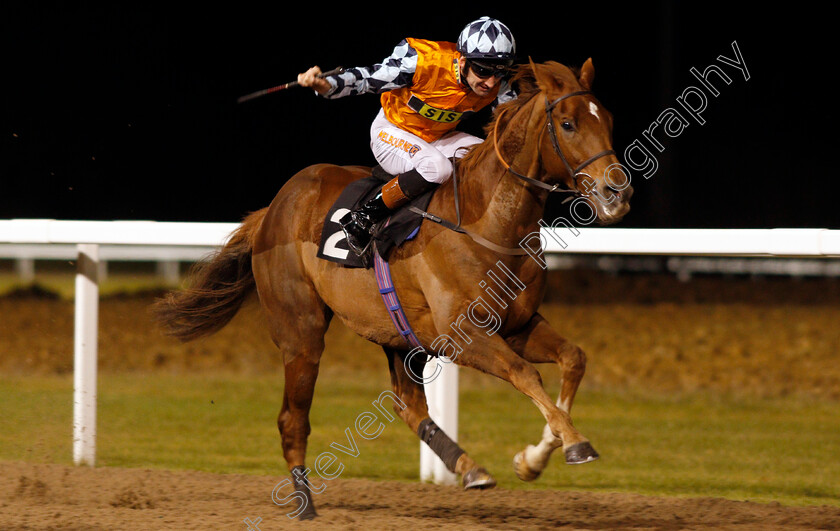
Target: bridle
(552,133)
(549,107)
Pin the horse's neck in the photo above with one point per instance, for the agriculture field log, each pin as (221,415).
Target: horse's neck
(503,208)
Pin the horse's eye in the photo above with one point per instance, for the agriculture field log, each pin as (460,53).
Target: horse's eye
(567,126)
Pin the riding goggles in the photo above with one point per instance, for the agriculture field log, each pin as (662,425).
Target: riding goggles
(486,70)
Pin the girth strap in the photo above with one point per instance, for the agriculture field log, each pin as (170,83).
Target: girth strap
(392,301)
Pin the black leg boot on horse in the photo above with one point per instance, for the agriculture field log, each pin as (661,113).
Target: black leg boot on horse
(358,224)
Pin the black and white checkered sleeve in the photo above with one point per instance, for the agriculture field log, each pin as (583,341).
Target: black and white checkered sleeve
(506,93)
(395,71)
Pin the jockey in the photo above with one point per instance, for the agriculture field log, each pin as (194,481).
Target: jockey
(426,88)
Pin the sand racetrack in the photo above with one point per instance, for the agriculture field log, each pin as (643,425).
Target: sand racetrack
(764,338)
(43,496)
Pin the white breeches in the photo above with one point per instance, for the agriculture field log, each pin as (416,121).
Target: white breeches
(399,151)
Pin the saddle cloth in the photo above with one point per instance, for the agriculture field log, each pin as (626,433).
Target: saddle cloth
(387,234)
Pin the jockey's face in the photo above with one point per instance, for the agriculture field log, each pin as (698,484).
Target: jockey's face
(480,85)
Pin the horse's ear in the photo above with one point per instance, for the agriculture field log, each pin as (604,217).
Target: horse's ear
(544,79)
(587,74)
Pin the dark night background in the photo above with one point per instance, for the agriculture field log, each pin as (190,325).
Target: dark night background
(114,111)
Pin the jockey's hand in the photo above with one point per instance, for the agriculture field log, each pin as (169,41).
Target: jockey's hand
(310,79)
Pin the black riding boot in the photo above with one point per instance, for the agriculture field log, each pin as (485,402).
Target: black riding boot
(358,224)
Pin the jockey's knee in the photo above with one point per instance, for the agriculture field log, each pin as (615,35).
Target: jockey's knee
(435,168)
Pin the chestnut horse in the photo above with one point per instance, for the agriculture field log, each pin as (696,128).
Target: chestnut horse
(538,142)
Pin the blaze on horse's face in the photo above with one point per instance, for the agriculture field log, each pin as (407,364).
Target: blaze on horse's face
(583,129)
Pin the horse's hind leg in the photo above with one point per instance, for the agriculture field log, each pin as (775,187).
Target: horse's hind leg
(293,423)
(414,411)
(298,320)
(302,351)
(539,343)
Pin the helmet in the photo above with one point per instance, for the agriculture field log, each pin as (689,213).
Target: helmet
(487,39)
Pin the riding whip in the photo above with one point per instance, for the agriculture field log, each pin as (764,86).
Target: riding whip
(291,84)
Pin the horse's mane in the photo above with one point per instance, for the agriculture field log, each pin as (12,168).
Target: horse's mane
(524,82)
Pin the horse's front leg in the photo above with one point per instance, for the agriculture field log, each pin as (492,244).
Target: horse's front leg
(413,409)
(537,342)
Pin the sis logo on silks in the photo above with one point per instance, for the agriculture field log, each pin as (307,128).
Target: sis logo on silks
(432,113)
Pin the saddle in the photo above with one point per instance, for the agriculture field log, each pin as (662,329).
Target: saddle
(387,235)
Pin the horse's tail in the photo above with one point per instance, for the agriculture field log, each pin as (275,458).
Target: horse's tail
(218,287)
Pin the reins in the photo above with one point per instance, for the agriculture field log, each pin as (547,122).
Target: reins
(549,107)
(552,132)
(515,251)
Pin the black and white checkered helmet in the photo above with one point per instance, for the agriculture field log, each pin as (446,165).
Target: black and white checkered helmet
(488,39)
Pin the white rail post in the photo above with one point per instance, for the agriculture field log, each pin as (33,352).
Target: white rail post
(25,268)
(170,270)
(442,399)
(85,355)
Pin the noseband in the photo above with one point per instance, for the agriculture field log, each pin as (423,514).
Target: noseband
(552,132)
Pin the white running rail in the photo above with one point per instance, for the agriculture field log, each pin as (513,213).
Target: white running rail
(134,238)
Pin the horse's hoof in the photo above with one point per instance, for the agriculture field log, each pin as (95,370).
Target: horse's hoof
(478,478)
(580,453)
(523,471)
(301,484)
